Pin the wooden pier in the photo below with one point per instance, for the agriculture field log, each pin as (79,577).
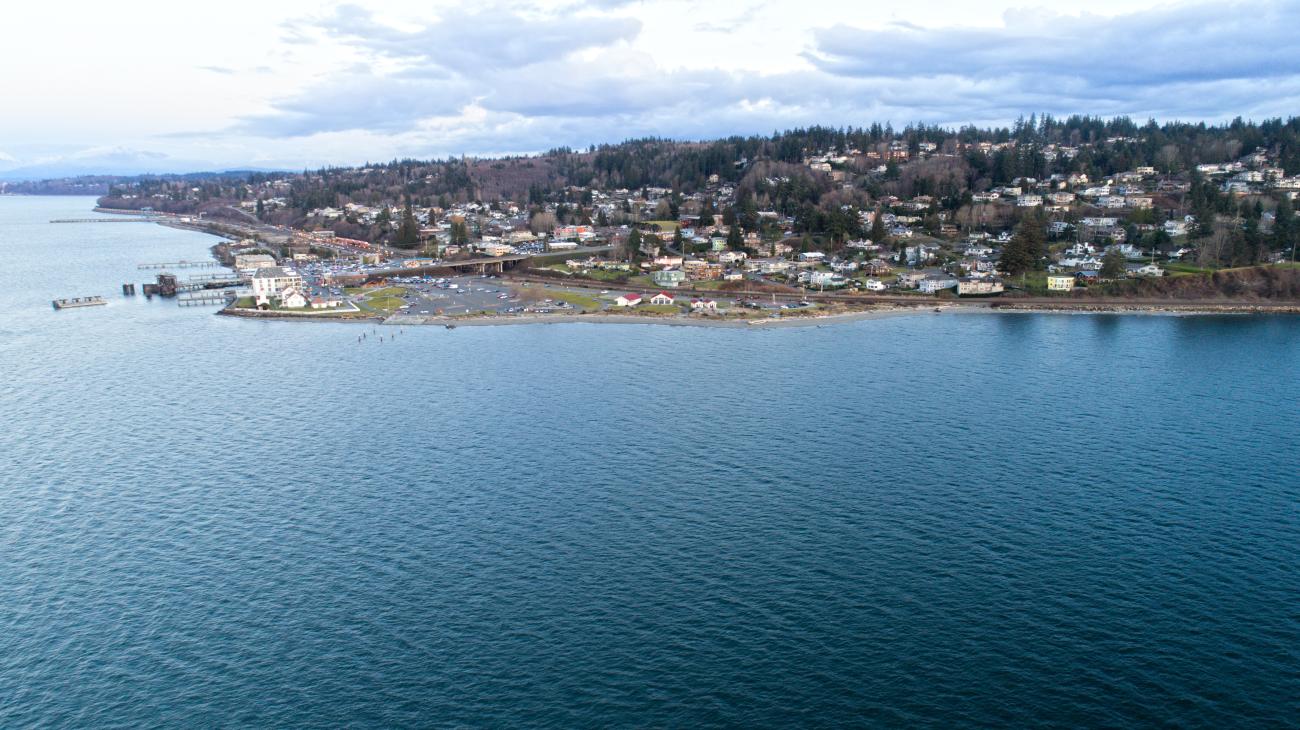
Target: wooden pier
(205,297)
(181,265)
(124,219)
(224,282)
(75,302)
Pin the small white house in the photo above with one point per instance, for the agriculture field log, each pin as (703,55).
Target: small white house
(628,300)
(704,305)
(293,298)
(662,298)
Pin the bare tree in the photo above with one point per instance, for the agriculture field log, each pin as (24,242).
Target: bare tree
(543,221)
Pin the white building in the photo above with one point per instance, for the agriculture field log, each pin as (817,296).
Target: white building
(269,281)
(253,261)
(977,287)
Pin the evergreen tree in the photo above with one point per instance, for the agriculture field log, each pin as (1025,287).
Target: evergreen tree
(1284,226)
(634,245)
(1112,264)
(679,239)
(1025,249)
(878,233)
(408,233)
(706,214)
(734,239)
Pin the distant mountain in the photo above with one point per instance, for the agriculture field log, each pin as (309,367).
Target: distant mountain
(100,184)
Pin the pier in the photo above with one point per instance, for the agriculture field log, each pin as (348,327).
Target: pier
(124,219)
(181,265)
(205,297)
(75,302)
(211,282)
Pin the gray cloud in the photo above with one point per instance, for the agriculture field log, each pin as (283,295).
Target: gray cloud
(1171,44)
(468,41)
(519,67)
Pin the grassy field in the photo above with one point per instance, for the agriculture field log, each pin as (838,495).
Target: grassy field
(382,304)
(580,301)
(611,276)
(388,291)
(659,309)
(1178,268)
(665,226)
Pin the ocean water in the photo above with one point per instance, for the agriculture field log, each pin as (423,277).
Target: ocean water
(920,521)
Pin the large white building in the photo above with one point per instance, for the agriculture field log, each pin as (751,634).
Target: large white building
(269,281)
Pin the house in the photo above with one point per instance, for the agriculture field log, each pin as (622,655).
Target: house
(668,277)
(704,305)
(826,279)
(1138,270)
(628,300)
(1060,283)
(874,285)
(269,281)
(978,287)
(293,298)
(1029,201)
(878,267)
(662,298)
(320,302)
(933,284)
(910,279)
(812,256)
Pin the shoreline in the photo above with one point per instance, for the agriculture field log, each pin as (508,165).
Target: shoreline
(777,323)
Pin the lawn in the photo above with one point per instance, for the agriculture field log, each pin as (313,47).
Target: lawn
(581,301)
(598,275)
(1178,268)
(659,309)
(388,291)
(665,226)
(382,303)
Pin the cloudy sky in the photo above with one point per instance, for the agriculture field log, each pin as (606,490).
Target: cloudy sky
(172,86)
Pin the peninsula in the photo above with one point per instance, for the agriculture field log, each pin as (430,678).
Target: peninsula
(1079,213)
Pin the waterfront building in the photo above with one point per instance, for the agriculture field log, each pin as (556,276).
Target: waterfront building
(1060,283)
(978,287)
(269,281)
(668,277)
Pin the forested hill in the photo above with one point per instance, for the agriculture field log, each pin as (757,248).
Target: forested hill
(820,182)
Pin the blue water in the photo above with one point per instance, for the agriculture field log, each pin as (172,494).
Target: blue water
(920,521)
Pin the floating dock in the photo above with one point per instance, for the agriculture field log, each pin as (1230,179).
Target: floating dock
(75,302)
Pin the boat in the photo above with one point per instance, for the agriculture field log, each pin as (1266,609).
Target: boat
(74,302)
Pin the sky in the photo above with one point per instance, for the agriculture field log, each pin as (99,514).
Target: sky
(130,87)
